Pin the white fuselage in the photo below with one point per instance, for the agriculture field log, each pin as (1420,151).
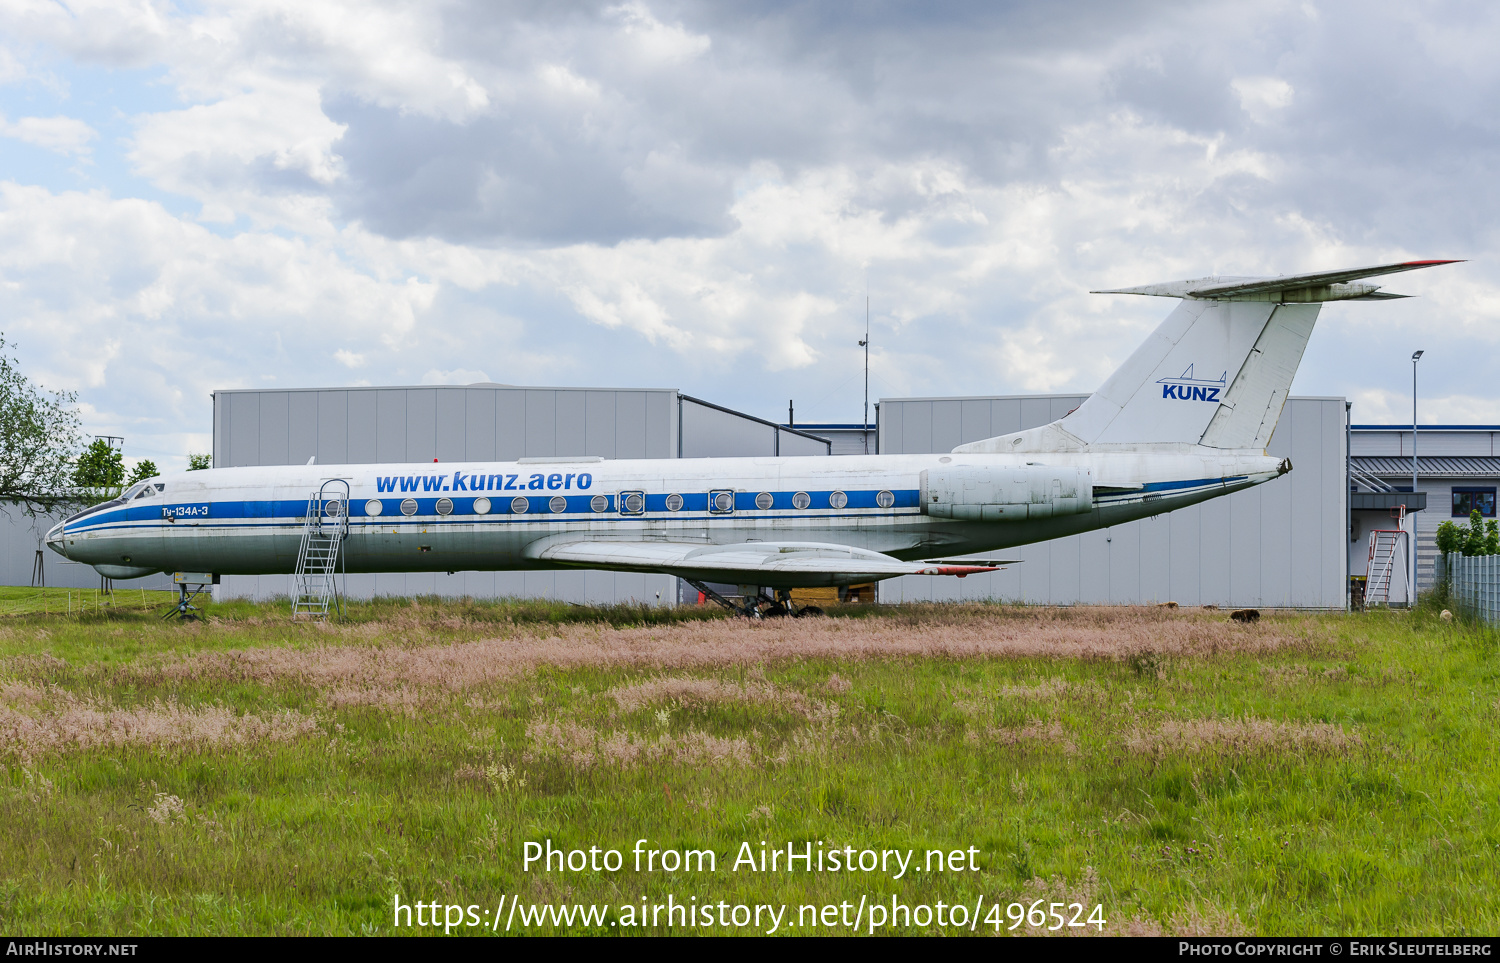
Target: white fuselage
(492,515)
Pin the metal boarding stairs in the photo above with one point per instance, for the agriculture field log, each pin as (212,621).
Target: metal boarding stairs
(1385,546)
(320,558)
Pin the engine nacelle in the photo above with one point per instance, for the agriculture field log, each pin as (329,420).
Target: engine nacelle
(1007,494)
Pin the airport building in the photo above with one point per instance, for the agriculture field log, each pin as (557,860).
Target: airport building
(1457,469)
(1292,542)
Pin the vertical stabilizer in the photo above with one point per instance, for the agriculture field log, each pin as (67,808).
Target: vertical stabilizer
(1171,387)
(1215,373)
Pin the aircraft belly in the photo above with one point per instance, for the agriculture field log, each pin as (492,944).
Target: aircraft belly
(967,538)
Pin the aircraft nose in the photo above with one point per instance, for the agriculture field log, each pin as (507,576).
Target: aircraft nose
(55,538)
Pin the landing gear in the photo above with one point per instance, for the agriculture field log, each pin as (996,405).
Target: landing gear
(760,605)
(185,610)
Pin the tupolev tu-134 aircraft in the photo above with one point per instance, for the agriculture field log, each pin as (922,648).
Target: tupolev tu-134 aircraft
(1186,418)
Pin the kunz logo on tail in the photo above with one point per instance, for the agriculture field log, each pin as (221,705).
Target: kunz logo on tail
(1188,388)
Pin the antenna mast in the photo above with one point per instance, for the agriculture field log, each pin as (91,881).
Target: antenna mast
(864,427)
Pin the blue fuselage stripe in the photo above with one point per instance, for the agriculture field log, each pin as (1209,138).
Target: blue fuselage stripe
(285,511)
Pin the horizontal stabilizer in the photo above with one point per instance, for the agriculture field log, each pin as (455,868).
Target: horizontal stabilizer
(1312,287)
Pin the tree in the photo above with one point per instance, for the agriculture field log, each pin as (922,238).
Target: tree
(99,472)
(1476,538)
(38,436)
(144,469)
(200,462)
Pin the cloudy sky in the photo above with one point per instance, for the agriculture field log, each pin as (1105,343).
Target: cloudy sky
(230,194)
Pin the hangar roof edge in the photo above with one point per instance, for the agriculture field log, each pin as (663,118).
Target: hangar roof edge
(479,384)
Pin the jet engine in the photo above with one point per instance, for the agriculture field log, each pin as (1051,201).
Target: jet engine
(1006,494)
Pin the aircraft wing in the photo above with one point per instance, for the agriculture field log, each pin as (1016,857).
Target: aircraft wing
(772,564)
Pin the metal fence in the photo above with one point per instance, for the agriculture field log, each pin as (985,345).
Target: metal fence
(1475,585)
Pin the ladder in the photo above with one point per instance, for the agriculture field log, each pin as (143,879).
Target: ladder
(320,557)
(1384,545)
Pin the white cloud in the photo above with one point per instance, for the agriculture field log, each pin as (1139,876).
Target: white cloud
(147,313)
(1261,97)
(1378,406)
(11,68)
(644,194)
(65,135)
(457,376)
(656,42)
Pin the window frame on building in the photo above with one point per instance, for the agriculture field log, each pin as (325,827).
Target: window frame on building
(1465,501)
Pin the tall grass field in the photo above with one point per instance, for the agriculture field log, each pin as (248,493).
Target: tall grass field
(1164,771)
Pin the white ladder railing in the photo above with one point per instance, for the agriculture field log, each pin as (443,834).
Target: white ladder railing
(319,558)
(1381,567)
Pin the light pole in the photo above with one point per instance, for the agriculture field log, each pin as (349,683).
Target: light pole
(1415,357)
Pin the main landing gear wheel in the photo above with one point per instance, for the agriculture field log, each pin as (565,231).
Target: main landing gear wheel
(807,611)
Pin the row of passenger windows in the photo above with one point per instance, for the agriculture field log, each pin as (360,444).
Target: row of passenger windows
(631,503)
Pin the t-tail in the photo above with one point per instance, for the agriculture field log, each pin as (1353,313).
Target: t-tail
(1215,373)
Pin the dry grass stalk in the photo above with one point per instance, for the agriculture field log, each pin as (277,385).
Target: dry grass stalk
(18,693)
(586,748)
(1298,673)
(837,684)
(1241,736)
(1053,688)
(701,692)
(975,702)
(925,632)
(350,668)
(165,809)
(75,724)
(1033,733)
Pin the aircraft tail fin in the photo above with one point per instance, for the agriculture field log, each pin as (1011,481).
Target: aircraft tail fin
(1216,372)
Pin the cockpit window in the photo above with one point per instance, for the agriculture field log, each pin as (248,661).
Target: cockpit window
(159,486)
(134,492)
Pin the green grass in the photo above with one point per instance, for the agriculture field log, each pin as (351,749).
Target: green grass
(1341,780)
(18,600)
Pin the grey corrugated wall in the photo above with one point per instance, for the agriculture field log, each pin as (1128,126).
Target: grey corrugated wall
(1280,544)
(351,426)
